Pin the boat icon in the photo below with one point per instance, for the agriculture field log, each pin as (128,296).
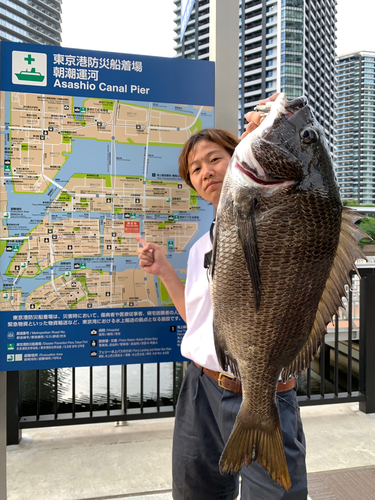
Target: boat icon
(30,76)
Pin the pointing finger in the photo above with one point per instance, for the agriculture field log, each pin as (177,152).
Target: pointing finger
(141,240)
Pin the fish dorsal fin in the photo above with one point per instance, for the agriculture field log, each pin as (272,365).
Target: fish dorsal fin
(347,253)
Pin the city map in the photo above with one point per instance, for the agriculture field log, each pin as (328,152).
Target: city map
(82,177)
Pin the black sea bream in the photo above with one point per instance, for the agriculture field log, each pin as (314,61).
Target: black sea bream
(283,249)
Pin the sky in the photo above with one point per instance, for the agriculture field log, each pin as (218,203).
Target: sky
(146,26)
(127,26)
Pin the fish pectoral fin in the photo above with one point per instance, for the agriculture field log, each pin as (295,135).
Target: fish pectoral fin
(214,247)
(223,356)
(247,236)
(347,253)
(252,441)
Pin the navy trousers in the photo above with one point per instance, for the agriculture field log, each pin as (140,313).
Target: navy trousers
(205,417)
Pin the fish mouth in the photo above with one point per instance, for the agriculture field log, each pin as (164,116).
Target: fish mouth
(253,175)
(256,172)
(295,105)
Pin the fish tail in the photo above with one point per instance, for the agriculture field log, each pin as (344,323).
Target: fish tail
(252,441)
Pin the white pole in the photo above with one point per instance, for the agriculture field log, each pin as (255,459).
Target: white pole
(224,23)
(3,435)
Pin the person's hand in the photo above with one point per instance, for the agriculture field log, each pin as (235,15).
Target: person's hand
(153,260)
(255,118)
(151,257)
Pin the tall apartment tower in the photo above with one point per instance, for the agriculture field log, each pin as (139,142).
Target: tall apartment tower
(355,124)
(31,21)
(284,45)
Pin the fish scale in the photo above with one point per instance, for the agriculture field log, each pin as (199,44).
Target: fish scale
(282,251)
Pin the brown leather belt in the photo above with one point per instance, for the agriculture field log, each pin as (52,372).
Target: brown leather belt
(230,383)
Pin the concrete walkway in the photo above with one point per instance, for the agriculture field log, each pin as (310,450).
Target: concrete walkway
(133,462)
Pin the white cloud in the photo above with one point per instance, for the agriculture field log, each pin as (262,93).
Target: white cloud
(355,26)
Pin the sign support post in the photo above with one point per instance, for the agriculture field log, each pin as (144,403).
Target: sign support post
(3,435)
(224,16)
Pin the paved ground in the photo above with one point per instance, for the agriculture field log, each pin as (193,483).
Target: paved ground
(133,462)
(348,484)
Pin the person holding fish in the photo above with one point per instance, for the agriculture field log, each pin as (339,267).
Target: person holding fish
(212,391)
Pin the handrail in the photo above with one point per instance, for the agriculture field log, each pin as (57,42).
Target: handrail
(340,373)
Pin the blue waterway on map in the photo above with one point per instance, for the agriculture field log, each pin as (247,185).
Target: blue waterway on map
(91,156)
(88,159)
(80,101)
(93,159)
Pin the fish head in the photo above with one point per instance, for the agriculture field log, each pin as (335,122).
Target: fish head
(288,150)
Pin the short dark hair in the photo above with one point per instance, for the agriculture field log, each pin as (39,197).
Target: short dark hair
(225,139)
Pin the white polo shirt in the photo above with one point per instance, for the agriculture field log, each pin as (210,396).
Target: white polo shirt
(198,342)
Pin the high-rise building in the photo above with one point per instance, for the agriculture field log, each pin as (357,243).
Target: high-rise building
(31,21)
(355,122)
(284,45)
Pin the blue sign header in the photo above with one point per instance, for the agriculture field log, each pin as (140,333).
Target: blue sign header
(55,70)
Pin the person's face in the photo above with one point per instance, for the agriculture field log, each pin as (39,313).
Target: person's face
(208,163)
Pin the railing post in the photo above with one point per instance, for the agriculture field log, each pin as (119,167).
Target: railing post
(14,433)
(367,340)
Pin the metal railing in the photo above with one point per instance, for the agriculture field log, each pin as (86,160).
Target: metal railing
(343,371)
(344,366)
(29,408)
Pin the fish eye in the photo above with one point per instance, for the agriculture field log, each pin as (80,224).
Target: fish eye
(308,136)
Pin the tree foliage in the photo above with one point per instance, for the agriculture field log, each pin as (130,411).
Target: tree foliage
(350,203)
(368,226)
(354,203)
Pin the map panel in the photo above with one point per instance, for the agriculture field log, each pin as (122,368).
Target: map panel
(80,183)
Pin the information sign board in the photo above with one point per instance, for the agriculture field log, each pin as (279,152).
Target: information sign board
(89,146)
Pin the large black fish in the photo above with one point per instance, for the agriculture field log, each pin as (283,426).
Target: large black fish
(283,249)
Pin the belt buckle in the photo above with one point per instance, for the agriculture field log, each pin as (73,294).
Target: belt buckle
(226,375)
